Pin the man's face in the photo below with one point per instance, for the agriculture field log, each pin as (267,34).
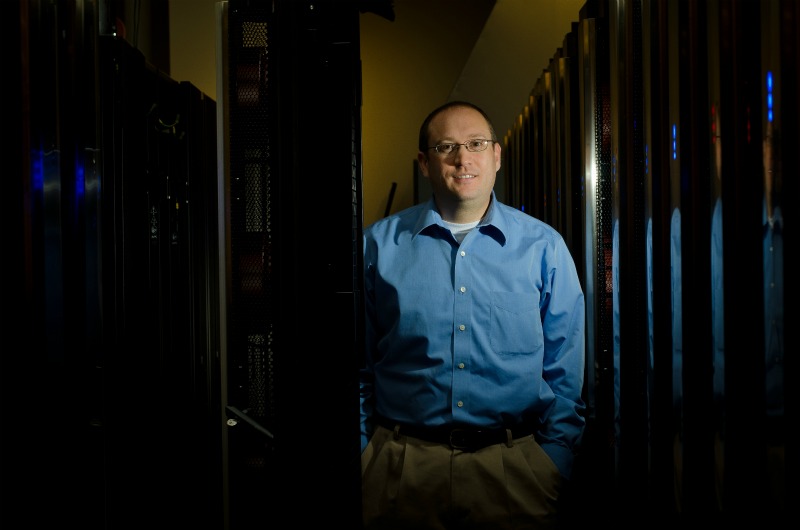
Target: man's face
(461,177)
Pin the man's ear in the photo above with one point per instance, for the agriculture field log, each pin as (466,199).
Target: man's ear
(422,161)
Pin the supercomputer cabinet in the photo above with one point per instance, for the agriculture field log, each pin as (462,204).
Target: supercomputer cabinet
(290,145)
(110,285)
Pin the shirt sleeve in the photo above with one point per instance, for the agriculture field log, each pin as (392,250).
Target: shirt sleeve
(563,323)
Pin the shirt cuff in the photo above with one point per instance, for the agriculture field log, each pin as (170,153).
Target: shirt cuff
(561,457)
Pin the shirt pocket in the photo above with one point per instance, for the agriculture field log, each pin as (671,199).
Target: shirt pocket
(516,327)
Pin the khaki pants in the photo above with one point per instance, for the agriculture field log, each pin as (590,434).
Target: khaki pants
(407,483)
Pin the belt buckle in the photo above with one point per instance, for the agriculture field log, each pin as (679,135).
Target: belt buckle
(460,439)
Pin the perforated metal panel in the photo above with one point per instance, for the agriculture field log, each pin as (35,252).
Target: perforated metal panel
(293,252)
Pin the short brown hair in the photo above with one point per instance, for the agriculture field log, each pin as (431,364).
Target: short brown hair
(423,130)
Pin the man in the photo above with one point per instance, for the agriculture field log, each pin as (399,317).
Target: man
(471,404)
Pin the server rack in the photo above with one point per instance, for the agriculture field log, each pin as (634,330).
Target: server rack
(682,106)
(291,259)
(598,455)
(157,237)
(114,187)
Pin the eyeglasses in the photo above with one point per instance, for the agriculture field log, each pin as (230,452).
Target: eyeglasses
(474,146)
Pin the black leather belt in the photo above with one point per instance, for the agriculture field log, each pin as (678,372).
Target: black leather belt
(464,438)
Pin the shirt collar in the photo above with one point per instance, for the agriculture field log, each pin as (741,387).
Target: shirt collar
(493,224)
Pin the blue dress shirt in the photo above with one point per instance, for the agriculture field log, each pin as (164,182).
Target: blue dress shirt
(487,333)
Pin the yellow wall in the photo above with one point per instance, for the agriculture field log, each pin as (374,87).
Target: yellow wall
(192,43)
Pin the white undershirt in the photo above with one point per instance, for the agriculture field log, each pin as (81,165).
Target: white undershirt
(460,230)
